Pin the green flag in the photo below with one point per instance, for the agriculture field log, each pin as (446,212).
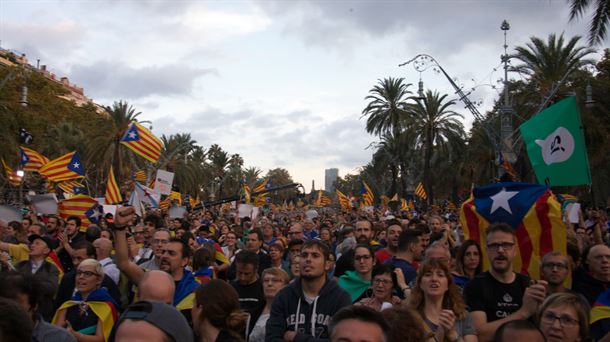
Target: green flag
(556,145)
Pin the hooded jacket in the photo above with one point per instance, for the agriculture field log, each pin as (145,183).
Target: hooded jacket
(291,312)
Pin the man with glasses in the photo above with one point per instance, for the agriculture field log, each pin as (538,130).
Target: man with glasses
(159,239)
(500,295)
(295,232)
(554,268)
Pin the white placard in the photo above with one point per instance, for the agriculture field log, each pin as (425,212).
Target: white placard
(245,210)
(9,213)
(177,212)
(163,182)
(44,204)
(255,212)
(573,211)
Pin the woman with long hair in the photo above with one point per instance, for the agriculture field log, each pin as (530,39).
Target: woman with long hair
(216,313)
(274,279)
(230,245)
(439,302)
(468,263)
(91,312)
(356,282)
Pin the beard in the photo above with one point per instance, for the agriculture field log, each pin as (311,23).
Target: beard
(501,269)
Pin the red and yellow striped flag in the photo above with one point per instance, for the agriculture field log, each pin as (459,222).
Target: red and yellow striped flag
(63,168)
(343,200)
(31,160)
(420,191)
(79,205)
(71,187)
(113,192)
(11,176)
(141,140)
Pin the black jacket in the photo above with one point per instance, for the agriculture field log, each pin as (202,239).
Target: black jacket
(68,282)
(290,304)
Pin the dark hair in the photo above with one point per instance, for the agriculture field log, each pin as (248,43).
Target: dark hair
(258,232)
(574,252)
(321,246)
(88,246)
(28,219)
(360,313)
(383,269)
(93,233)
(15,325)
(422,227)
(393,222)
(407,238)
(365,246)
(461,252)
(520,324)
(154,219)
(247,258)
(74,218)
(202,258)
(405,324)
(14,283)
(295,242)
(501,227)
(186,250)
(219,304)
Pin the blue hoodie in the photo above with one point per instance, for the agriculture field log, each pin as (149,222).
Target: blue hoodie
(313,319)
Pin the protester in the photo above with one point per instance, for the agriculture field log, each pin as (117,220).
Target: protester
(25,289)
(518,330)
(45,273)
(501,295)
(274,279)
(216,313)
(358,323)
(591,284)
(15,324)
(151,321)
(405,325)
(564,317)
(90,314)
(410,249)
(358,281)
(554,268)
(67,240)
(306,306)
(392,233)
(381,296)
(249,286)
(440,304)
(468,263)
(103,251)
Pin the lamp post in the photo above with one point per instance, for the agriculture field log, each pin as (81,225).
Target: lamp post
(506,111)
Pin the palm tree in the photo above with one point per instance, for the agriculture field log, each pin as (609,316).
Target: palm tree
(219,164)
(174,158)
(386,110)
(598,26)
(104,148)
(434,126)
(251,175)
(547,63)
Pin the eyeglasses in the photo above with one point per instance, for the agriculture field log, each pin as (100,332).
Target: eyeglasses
(504,245)
(565,321)
(363,257)
(553,265)
(138,233)
(86,273)
(157,241)
(384,282)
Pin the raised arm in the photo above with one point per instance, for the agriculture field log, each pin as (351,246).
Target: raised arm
(122,218)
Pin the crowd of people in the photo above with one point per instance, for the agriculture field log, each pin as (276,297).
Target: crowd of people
(299,275)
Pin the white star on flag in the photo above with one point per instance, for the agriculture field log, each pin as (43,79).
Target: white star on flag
(500,200)
(132,135)
(76,165)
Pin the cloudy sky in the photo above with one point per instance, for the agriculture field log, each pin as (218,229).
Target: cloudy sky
(280,82)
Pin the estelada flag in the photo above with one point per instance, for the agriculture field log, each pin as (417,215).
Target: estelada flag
(367,194)
(85,207)
(420,191)
(140,140)
(601,307)
(31,160)
(343,199)
(261,187)
(113,193)
(102,305)
(63,168)
(71,187)
(530,209)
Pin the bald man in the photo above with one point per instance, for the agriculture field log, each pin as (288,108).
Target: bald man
(157,286)
(103,250)
(592,283)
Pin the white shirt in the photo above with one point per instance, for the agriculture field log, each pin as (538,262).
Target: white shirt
(111,270)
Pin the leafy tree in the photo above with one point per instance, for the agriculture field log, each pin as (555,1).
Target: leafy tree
(386,109)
